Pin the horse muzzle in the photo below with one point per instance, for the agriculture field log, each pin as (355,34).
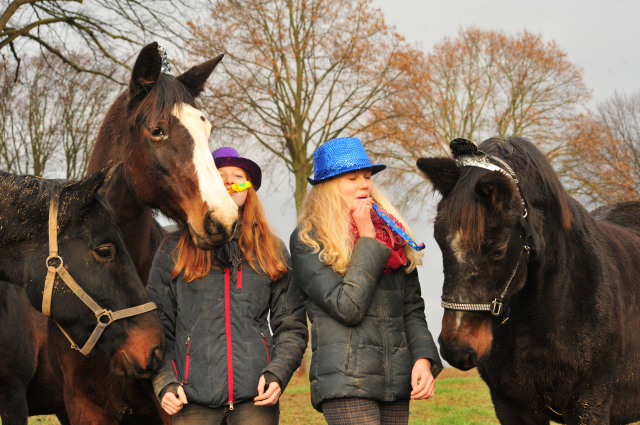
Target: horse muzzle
(461,357)
(215,233)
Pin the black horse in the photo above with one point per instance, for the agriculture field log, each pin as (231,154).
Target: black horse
(92,249)
(541,296)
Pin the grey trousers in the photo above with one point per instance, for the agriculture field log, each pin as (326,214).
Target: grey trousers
(243,414)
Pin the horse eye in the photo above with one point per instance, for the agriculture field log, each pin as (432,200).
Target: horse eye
(158,134)
(105,252)
(499,253)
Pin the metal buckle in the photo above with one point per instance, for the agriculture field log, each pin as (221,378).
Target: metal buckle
(107,313)
(50,258)
(496,307)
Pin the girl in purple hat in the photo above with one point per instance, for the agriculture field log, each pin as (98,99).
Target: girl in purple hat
(372,350)
(234,319)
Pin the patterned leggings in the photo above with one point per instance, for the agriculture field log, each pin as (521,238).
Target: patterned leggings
(361,411)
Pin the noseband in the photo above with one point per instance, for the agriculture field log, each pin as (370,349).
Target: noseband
(103,316)
(466,154)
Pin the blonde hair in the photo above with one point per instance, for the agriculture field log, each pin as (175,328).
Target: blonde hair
(325,212)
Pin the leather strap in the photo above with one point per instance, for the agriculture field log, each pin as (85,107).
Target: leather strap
(53,270)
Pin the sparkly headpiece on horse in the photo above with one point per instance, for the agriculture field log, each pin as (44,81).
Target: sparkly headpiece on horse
(466,154)
(166,66)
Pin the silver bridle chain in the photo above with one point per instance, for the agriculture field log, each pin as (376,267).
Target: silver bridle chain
(480,159)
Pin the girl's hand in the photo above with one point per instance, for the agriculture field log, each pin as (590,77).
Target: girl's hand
(362,216)
(172,404)
(422,380)
(269,397)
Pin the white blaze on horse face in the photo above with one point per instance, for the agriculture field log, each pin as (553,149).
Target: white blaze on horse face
(456,246)
(210,183)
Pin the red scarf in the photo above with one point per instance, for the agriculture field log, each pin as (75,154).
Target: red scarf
(389,238)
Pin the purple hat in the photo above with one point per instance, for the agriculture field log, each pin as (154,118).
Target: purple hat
(229,157)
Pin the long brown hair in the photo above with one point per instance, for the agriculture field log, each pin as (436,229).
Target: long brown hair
(258,243)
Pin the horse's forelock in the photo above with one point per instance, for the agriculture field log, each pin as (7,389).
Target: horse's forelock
(467,218)
(158,104)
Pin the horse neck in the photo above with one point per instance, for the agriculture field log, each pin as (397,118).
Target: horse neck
(142,233)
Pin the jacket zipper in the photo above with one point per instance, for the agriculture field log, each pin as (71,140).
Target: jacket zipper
(266,347)
(240,276)
(186,368)
(228,325)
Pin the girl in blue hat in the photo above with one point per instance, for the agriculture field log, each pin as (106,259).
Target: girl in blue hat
(234,319)
(372,350)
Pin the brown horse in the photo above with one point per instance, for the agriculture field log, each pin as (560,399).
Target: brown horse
(540,295)
(91,249)
(156,132)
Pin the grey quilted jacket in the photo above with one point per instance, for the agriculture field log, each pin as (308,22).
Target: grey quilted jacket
(368,328)
(218,339)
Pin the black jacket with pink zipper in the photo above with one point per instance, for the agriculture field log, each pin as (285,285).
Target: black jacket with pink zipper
(218,339)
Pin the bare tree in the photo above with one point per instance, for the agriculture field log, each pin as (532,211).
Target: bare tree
(50,116)
(604,162)
(297,73)
(481,84)
(109,29)
(8,94)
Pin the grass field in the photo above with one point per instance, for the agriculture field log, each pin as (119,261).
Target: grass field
(461,399)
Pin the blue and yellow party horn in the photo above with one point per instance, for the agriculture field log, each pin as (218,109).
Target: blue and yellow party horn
(397,229)
(239,187)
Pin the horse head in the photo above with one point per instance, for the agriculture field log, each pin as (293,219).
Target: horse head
(85,243)
(156,130)
(489,227)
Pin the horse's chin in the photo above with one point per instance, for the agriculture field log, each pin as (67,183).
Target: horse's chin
(210,242)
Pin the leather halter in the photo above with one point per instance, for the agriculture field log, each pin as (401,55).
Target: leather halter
(471,157)
(103,316)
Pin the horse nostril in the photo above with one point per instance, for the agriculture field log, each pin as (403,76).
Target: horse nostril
(155,359)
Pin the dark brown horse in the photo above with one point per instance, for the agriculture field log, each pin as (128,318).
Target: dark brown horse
(92,249)
(156,132)
(541,296)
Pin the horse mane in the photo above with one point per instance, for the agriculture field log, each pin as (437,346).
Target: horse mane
(538,181)
(17,187)
(159,102)
(32,193)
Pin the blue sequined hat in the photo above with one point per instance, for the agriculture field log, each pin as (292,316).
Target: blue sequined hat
(338,156)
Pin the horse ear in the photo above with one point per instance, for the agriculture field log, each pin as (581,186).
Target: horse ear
(88,187)
(496,189)
(443,173)
(146,71)
(110,172)
(195,78)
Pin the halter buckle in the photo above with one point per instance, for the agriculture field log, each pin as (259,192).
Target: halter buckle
(496,307)
(108,314)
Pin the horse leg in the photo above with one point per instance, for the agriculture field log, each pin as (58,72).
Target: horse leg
(63,418)
(13,402)
(511,413)
(591,406)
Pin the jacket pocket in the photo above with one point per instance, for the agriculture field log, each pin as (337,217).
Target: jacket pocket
(348,356)
(266,347)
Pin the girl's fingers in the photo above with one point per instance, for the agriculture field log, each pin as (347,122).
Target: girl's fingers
(270,397)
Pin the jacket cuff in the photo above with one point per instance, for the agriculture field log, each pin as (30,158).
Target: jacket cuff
(162,379)
(171,388)
(269,378)
(278,374)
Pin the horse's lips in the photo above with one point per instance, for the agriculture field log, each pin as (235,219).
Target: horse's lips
(204,244)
